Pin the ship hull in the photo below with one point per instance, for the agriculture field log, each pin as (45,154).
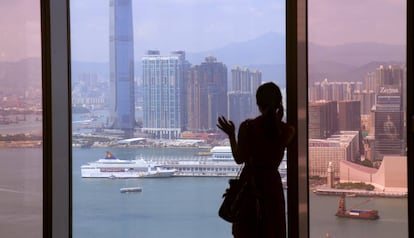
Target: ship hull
(360,214)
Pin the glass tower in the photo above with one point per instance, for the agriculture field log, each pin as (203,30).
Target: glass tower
(121,60)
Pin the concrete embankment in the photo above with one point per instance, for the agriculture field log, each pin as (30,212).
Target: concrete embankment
(359,193)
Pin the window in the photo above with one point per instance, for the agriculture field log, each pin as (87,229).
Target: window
(181,81)
(56,40)
(21,180)
(357,125)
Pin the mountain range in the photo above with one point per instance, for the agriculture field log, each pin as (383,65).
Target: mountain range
(347,62)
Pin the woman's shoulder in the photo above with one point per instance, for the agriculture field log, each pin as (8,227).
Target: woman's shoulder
(247,122)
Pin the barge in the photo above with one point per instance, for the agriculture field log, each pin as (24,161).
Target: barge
(355,213)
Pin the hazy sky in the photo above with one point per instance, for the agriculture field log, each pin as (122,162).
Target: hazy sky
(198,25)
(19,29)
(335,22)
(168,25)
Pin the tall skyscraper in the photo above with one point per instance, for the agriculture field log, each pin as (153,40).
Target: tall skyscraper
(121,53)
(163,78)
(207,94)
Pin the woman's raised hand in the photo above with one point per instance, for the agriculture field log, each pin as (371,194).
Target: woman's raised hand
(226,126)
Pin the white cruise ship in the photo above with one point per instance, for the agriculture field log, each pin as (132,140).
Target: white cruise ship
(220,164)
(111,167)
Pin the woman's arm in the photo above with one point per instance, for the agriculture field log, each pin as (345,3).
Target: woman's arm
(241,152)
(229,128)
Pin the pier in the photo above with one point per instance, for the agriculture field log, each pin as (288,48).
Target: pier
(359,193)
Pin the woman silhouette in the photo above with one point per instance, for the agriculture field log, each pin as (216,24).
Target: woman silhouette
(261,144)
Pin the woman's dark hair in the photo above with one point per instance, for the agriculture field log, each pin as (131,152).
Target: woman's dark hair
(269,101)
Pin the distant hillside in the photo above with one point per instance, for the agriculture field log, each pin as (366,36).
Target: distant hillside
(266,49)
(351,62)
(272,72)
(356,54)
(348,62)
(336,72)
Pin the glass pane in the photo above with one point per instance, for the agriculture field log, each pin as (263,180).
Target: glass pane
(149,80)
(357,129)
(21,204)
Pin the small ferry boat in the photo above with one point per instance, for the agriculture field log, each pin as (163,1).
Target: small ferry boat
(111,167)
(355,213)
(130,190)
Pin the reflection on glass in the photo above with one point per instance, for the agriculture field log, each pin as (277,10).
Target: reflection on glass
(20,120)
(357,104)
(149,80)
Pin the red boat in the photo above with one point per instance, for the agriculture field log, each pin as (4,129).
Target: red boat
(355,213)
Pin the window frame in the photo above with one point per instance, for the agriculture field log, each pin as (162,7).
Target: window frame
(56,86)
(410,115)
(57,145)
(296,88)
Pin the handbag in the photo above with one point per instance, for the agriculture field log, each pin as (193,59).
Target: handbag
(234,198)
(241,199)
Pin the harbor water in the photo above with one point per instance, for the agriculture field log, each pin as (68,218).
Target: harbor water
(187,207)
(178,207)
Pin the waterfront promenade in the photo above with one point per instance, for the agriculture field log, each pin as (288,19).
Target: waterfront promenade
(359,193)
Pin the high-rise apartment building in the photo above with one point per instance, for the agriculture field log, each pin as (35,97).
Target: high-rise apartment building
(121,60)
(242,97)
(333,91)
(367,99)
(240,105)
(370,82)
(391,75)
(207,94)
(245,80)
(163,78)
(184,67)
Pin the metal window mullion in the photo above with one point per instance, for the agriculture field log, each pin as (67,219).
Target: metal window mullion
(297,90)
(56,118)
